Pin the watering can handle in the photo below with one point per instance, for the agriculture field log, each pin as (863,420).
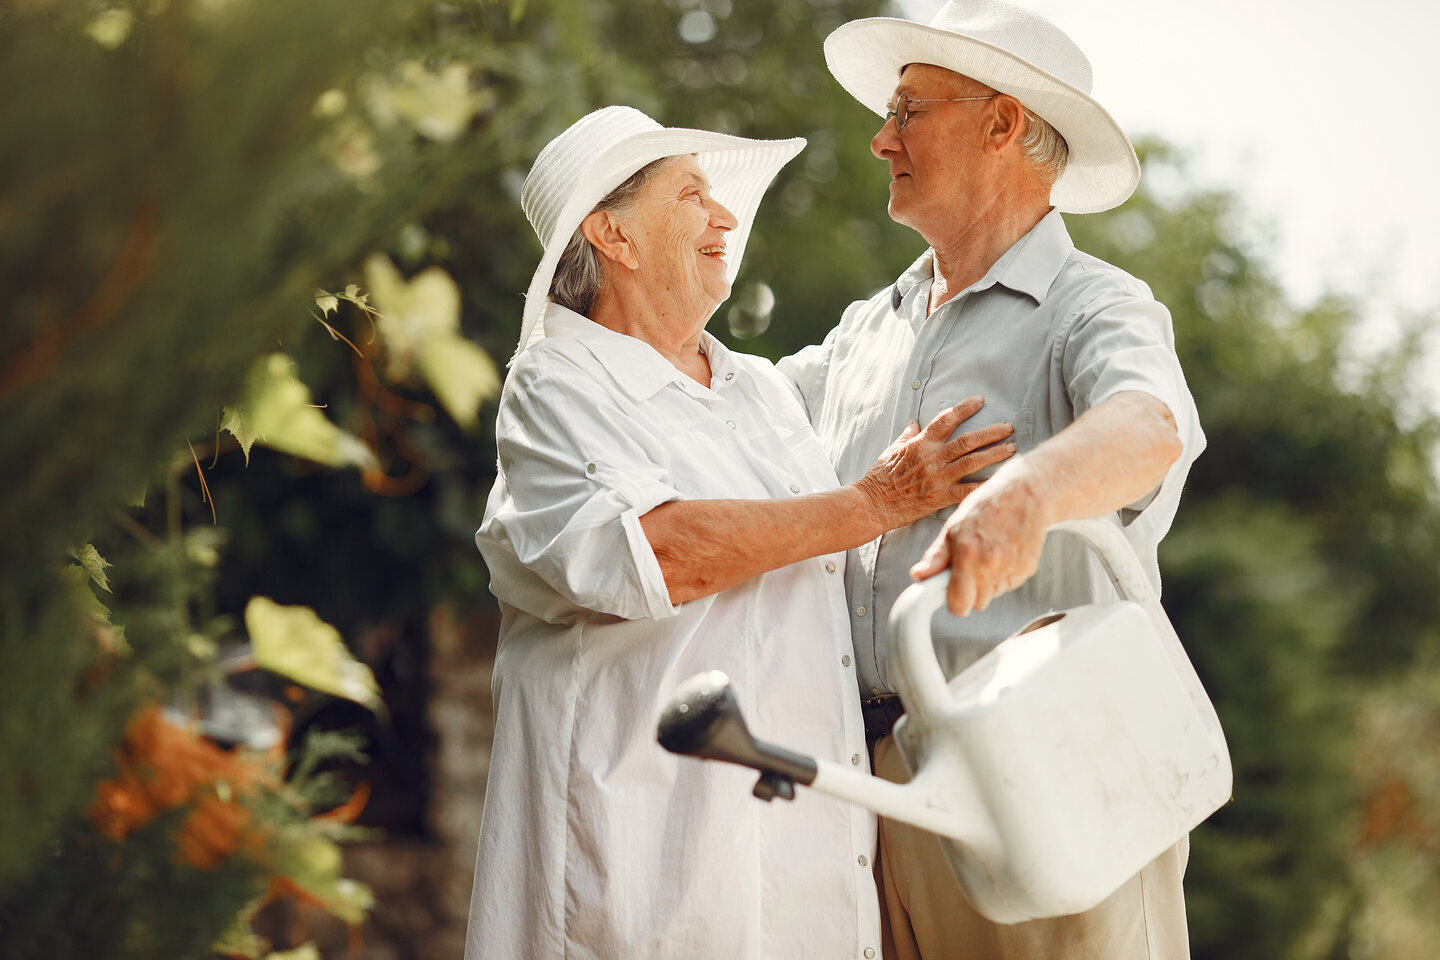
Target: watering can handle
(917,674)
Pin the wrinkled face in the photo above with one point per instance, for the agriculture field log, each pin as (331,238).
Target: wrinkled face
(679,237)
(935,161)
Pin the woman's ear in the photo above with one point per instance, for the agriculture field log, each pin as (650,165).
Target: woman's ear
(610,237)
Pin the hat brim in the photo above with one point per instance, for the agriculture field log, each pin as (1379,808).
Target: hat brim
(740,170)
(866,57)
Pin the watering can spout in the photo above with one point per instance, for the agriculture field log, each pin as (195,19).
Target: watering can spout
(703,720)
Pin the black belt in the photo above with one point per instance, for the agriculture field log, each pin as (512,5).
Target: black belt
(880,714)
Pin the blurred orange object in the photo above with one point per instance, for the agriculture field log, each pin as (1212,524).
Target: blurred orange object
(163,765)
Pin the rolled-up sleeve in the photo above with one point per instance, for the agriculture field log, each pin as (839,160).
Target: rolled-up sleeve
(562,534)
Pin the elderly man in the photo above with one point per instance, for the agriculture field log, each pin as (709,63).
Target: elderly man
(989,135)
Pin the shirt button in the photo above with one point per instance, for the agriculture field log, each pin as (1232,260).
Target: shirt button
(845,660)
(829,566)
(855,762)
(730,424)
(914,384)
(874,691)
(794,488)
(859,611)
(730,376)
(590,469)
(864,862)
(869,953)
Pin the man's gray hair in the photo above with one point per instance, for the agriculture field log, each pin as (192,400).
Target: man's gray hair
(1045,148)
(1041,143)
(579,277)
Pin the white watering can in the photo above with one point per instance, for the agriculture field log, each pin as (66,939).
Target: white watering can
(1054,768)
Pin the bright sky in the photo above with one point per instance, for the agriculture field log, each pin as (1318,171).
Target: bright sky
(1322,113)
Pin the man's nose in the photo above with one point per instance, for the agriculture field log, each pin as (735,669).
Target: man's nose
(886,141)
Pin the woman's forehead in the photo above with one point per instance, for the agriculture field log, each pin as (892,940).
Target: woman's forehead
(683,170)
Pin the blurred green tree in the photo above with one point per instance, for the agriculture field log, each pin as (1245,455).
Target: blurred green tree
(179,178)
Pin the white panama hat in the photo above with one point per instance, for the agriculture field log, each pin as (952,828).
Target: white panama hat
(602,150)
(1014,51)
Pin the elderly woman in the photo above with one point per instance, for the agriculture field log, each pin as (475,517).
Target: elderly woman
(663,507)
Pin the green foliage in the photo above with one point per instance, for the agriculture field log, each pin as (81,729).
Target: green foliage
(1396,768)
(1250,594)
(93,897)
(276,411)
(295,643)
(419,324)
(179,179)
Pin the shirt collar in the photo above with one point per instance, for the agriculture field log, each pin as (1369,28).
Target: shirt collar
(1030,266)
(636,366)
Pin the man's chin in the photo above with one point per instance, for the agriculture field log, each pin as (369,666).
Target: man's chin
(899,210)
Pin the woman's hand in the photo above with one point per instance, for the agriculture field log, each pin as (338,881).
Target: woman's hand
(922,471)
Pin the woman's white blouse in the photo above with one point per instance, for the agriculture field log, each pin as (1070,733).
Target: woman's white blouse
(596,842)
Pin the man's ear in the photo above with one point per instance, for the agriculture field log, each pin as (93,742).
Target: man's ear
(609,235)
(1006,123)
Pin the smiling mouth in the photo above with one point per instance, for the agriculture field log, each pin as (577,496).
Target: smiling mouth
(714,253)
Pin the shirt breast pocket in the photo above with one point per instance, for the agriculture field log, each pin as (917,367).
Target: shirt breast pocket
(1022,419)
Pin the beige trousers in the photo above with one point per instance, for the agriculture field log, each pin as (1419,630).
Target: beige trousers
(924,916)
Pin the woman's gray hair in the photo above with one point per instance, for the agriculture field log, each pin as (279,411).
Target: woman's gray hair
(579,277)
(1045,148)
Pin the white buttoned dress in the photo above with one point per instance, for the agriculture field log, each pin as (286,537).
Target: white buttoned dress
(596,842)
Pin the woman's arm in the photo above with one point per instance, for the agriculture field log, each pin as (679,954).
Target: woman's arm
(705,546)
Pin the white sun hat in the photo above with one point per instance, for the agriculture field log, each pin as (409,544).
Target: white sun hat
(1014,51)
(602,150)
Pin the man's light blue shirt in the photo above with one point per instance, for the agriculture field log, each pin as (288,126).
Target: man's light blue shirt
(1046,334)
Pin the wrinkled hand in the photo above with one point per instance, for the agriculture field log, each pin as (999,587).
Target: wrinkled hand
(921,471)
(991,544)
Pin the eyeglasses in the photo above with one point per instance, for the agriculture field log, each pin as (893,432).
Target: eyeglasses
(901,110)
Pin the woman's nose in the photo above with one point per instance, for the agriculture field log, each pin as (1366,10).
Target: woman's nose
(721,217)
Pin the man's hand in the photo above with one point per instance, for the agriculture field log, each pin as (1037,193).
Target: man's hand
(991,543)
(1113,455)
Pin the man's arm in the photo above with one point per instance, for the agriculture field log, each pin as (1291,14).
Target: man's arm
(705,546)
(1113,455)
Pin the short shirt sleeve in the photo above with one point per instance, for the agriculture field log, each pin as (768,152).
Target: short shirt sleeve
(562,534)
(1121,340)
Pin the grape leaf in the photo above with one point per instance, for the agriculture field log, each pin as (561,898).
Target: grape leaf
(462,375)
(419,324)
(296,643)
(277,412)
(237,422)
(94,565)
